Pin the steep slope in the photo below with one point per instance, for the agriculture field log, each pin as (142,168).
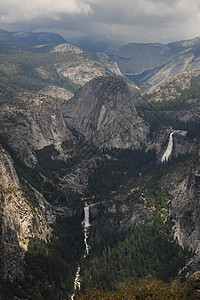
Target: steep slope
(134,58)
(172,87)
(186,61)
(183,185)
(84,66)
(19,220)
(185,207)
(33,122)
(103,112)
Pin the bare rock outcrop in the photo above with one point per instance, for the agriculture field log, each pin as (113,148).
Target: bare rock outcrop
(184,189)
(19,220)
(85,67)
(103,113)
(31,125)
(56,92)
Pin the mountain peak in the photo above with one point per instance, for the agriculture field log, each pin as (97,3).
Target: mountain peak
(103,112)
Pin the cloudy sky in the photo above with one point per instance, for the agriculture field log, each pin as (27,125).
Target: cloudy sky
(126,20)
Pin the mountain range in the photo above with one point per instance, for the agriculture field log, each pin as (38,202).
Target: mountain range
(82,129)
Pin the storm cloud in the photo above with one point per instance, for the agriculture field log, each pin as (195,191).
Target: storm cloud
(127,20)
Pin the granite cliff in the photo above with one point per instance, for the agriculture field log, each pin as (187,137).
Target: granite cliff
(103,113)
(19,220)
(32,124)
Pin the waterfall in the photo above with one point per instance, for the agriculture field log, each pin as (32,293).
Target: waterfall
(168,151)
(86,224)
(86,221)
(77,281)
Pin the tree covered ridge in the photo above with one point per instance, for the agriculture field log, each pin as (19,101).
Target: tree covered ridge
(143,250)
(145,288)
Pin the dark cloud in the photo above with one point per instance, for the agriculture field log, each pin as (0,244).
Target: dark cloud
(127,20)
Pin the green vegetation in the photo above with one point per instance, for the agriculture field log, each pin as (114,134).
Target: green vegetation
(120,166)
(159,119)
(143,250)
(21,69)
(181,98)
(147,288)
(32,68)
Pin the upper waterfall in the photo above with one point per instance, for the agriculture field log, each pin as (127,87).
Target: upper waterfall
(168,151)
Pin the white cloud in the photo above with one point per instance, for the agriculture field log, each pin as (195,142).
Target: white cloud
(152,20)
(129,20)
(28,10)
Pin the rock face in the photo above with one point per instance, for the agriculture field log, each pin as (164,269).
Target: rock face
(85,67)
(62,66)
(56,92)
(184,62)
(171,87)
(19,221)
(181,143)
(183,185)
(103,112)
(37,122)
(136,58)
(114,215)
(185,209)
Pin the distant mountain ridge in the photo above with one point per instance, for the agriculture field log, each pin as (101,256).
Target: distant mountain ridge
(143,63)
(149,63)
(30,38)
(46,59)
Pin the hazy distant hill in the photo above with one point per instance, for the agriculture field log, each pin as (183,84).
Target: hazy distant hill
(30,38)
(152,62)
(95,43)
(34,67)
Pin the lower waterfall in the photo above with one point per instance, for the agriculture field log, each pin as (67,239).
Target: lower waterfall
(85,224)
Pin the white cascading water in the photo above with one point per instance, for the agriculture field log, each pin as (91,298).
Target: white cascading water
(77,283)
(86,224)
(168,151)
(86,221)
